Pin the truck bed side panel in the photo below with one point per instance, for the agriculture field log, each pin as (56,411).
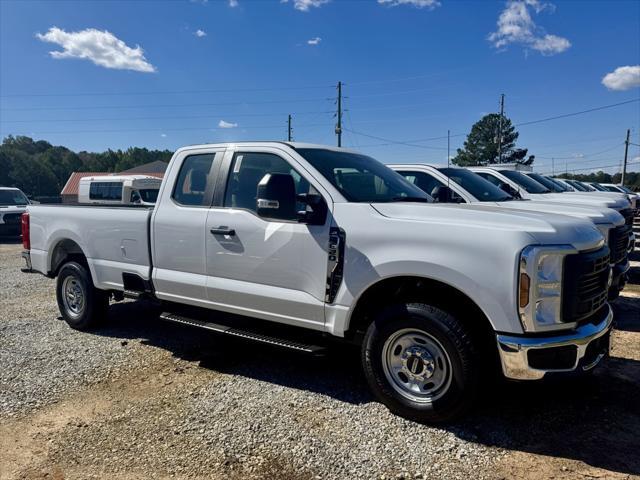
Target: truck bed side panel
(114,240)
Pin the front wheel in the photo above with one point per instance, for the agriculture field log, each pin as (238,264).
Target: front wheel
(419,362)
(81,304)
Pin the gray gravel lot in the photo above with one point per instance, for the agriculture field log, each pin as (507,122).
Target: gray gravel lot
(144,399)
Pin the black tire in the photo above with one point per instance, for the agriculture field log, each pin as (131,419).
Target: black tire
(92,310)
(445,333)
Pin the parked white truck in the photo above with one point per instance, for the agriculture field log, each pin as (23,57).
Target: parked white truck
(307,242)
(13,203)
(460,185)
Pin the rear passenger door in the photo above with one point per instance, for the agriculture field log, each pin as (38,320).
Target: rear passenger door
(178,227)
(271,269)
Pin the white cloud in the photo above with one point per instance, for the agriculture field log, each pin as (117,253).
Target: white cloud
(623,78)
(223,124)
(305,5)
(515,26)
(233,3)
(163,135)
(200,33)
(430,4)
(314,41)
(101,47)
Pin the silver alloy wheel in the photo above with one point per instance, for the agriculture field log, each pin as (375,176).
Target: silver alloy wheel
(416,365)
(73,296)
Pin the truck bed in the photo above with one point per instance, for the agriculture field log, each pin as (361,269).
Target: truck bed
(115,240)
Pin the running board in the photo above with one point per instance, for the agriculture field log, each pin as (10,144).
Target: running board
(245,334)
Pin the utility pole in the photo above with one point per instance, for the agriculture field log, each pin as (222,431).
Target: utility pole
(553,167)
(500,128)
(290,134)
(339,115)
(626,153)
(448,155)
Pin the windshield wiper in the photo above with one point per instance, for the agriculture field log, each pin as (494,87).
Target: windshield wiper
(410,199)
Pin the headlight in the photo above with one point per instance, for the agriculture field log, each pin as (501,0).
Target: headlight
(604,229)
(540,287)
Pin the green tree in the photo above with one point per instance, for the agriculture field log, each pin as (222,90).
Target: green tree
(482,145)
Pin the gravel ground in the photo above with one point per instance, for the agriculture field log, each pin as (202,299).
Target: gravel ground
(145,399)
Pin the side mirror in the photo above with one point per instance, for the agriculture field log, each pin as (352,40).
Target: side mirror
(318,206)
(276,197)
(442,194)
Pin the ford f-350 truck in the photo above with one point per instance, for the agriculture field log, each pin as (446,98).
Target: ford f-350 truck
(302,242)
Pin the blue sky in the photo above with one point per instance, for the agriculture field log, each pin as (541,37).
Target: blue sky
(412,70)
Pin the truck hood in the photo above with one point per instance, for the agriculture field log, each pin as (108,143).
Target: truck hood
(545,228)
(582,200)
(597,215)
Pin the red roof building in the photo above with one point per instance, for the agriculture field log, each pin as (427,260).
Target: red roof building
(69,192)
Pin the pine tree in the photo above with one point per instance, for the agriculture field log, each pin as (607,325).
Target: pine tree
(481,146)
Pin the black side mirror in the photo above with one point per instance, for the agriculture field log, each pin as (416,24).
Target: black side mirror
(318,206)
(442,194)
(276,197)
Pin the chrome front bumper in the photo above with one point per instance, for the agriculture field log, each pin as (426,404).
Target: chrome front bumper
(588,344)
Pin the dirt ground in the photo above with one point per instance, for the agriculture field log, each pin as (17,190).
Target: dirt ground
(122,424)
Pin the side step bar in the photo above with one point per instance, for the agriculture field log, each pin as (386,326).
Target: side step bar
(245,334)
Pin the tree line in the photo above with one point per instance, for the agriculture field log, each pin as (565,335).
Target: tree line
(41,169)
(631,179)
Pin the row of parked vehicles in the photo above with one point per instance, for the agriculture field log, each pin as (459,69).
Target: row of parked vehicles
(442,276)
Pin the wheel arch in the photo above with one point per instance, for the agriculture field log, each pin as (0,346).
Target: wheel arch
(418,289)
(66,250)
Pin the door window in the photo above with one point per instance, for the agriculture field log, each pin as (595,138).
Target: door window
(425,182)
(246,172)
(194,186)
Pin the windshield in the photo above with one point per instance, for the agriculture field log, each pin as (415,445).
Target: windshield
(149,195)
(360,178)
(529,184)
(625,189)
(613,188)
(599,187)
(13,197)
(564,186)
(546,182)
(481,189)
(577,185)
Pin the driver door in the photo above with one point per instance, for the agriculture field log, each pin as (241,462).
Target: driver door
(271,269)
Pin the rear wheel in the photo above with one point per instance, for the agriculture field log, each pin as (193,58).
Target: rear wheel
(81,304)
(418,360)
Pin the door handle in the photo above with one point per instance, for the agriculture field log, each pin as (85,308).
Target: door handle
(223,231)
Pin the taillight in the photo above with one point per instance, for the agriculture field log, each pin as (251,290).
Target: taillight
(26,238)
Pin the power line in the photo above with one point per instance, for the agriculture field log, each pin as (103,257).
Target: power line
(165,92)
(249,127)
(547,119)
(396,142)
(576,113)
(585,154)
(174,105)
(593,168)
(155,117)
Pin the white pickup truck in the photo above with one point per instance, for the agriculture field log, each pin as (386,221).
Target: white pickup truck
(306,243)
(460,185)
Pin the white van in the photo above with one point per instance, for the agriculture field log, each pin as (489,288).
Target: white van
(119,190)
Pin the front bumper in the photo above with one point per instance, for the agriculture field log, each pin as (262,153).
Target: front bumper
(618,279)
(531,358)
